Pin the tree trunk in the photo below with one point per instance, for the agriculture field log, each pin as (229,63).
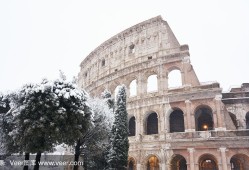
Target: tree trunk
(76,155)
(37,160)
(26,167)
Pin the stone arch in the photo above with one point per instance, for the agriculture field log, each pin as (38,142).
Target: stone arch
(132,126)
(247,120)
(176,121)
(204,118)
(131,164)
(133,87)
(113,86)
(152,162)
(178,162)
(208,162)
(174,75)
(239,162)
(151,123)
(152,83)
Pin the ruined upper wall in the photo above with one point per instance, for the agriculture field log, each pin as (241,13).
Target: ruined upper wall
(148,39)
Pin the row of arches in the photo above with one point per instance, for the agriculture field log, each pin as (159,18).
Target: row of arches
(203,121)
(205,162)
(174,80)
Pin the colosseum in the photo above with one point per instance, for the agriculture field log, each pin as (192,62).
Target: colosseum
(175,121)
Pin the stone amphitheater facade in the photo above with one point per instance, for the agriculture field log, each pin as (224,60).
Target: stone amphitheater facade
(191,125)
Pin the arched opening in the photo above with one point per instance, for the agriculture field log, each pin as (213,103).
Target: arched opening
(174,79)
(247,120)
(179,162)
(152,83)
(176,121)
(239,162)
(131,164)
(152,124)
(153,163)
(204,119)
(208,162)
(133,88)
(233,117)
(132,126)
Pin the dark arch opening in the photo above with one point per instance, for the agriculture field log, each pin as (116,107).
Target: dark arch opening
(179,163)
(176,121)
(132,126)
(247,120)
(131,164)
(204,119)
(152,124)
(208,162)
(239,162)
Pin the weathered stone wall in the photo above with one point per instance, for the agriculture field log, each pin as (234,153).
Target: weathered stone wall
(150,48)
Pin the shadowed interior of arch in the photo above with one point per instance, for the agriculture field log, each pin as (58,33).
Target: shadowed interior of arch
(152,124)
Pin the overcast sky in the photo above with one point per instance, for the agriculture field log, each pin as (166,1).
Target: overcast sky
(40,37)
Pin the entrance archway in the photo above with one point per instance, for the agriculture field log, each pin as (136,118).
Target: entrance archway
(131,164)
(152,163)
(204,119)
(239,162)
(208,162)
(178,162)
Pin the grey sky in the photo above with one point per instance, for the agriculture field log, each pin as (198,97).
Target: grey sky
(38,38)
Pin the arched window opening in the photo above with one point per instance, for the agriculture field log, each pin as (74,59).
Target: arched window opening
(247,120)
(233,117)
(152,83)
(174,79)
(239,162)
(179,162)
(131,164)
(103,62)
(176,121)
(152,124)
(208,162)
(132,126)
(133,88)
(204,119)
(153,163)
(132,49)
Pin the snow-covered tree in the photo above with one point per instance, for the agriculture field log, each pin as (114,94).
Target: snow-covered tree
(106,95)
(45,115)
(118,153)
(4,107)
(95,139)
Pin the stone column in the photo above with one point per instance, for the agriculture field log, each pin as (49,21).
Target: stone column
(188,121)
(218,112)
(223,158)
(191,158)
(141,86)
(138,166)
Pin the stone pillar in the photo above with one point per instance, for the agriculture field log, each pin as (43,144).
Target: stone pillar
(141,86)
(218,112)
(188,121)
(223,158)
(163,166)
(191,158)
(138,166)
